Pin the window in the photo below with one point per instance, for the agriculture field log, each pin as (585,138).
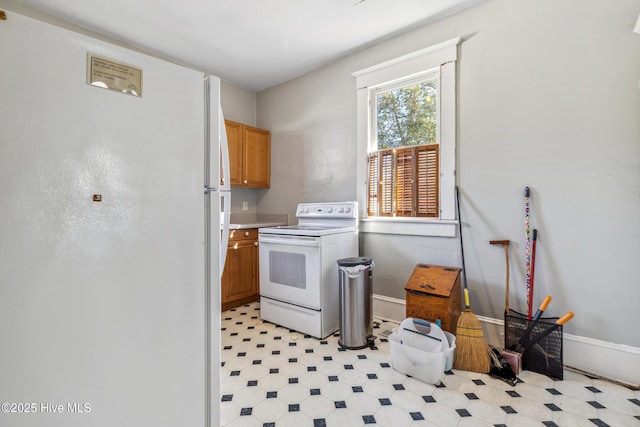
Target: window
(403,156)
(406,130)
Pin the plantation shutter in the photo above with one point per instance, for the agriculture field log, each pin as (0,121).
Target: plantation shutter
(386,183)
(404,182)
(380,186)
(427,183)
(373,205)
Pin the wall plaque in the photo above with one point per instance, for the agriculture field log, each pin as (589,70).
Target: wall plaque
(109,74)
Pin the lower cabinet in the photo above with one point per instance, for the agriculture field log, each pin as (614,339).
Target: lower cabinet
(240,279)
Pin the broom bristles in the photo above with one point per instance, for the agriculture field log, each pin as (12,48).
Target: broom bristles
(471,352)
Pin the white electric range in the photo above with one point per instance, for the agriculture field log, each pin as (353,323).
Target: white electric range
(298,267)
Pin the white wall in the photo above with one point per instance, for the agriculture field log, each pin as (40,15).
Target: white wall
(239,105)
(548,98)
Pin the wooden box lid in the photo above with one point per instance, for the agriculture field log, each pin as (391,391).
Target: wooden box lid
(433,280)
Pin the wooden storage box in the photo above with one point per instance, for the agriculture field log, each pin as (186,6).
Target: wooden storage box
(432,293)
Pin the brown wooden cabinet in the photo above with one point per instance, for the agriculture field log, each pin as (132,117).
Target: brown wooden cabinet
(240,279)
(432,293)
(249,155)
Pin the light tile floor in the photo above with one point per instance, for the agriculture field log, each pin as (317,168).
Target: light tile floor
(275,377)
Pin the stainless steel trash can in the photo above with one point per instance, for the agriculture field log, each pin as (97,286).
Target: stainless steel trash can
(356,301)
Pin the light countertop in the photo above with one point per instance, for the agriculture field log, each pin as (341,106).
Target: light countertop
(239,221)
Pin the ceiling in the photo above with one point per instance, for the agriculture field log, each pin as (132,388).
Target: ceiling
(254,44)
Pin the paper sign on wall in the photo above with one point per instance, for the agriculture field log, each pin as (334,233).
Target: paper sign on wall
(109,74)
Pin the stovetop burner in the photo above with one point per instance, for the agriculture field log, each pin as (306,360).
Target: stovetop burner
(306,230)
(320,219)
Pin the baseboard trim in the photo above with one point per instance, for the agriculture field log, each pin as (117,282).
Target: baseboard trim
(389,309)
(582,353)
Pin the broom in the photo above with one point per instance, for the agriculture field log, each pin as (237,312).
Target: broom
(471,349)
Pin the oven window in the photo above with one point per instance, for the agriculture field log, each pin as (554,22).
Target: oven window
(287,268)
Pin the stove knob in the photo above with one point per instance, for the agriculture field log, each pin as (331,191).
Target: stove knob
(330,210)
(301,210)
(341,210)
(306,210)
(347,210)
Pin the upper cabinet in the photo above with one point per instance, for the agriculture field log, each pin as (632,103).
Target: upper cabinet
(249,155)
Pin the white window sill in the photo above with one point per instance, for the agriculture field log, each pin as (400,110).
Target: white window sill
(409,226)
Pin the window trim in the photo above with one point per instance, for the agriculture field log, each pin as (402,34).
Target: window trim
(443,57)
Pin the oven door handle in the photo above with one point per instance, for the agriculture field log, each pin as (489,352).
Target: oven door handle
(289,240)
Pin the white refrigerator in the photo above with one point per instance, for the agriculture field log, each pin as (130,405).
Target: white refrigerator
(110,238)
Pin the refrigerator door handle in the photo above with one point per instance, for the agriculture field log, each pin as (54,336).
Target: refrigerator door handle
(225,197)
(225,184)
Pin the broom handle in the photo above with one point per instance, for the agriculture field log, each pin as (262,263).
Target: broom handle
(505,244)
(533,266)
(464,273)
(527,250)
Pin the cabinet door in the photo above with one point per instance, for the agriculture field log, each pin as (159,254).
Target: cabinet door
(234,137)
(240,277)
(257,157)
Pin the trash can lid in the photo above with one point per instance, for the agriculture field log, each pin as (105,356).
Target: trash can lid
(352,262)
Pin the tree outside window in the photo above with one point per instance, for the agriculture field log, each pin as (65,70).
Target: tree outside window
(407,116)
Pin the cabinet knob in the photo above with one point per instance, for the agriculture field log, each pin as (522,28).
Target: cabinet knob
(255,243)
(245,181)
(246,233)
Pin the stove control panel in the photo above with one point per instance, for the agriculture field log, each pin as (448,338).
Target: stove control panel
(328,210)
